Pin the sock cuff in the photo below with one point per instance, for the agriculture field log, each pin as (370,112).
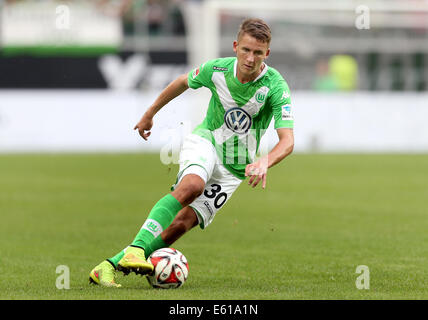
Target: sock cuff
(174,203)
(156,244)
(160,243)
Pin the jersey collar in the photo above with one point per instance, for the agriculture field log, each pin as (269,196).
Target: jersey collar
(235,66)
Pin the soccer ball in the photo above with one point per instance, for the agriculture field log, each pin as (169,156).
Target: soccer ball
(170,268)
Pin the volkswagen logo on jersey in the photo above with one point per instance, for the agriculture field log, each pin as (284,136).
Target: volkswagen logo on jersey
(237,120)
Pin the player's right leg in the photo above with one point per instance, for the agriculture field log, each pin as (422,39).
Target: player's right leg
(196,164)
(160,217)
(197,159)
(185,220)
(104,274)
(134,258)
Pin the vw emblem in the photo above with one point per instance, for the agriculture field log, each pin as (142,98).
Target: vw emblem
(237,120)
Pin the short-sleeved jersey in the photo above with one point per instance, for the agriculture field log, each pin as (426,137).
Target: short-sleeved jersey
(239,114)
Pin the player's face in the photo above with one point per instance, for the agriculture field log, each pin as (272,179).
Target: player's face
(250,53)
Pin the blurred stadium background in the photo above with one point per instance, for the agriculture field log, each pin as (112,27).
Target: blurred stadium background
(77,75)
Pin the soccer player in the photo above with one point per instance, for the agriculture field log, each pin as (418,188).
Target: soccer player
(220,152)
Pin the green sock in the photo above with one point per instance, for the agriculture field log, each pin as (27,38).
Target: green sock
(162,214)
(154,245)
(160,217)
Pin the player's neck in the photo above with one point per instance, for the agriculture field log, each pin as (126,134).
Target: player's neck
(249,78)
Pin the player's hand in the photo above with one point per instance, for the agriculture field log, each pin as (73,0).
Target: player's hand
(144,126)
(257,172)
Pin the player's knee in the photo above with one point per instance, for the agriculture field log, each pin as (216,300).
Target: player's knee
(195,190)
(192,189)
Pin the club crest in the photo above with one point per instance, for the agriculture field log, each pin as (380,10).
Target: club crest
(237,120)
(260,96)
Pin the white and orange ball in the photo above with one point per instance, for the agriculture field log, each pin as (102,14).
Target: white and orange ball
(170,268)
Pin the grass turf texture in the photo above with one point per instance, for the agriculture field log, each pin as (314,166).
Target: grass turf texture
(302,238)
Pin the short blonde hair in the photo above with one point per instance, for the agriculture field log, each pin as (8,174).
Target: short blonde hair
(256,28)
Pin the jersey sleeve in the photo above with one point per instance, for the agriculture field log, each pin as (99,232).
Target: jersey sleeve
(199,77)
(281,106)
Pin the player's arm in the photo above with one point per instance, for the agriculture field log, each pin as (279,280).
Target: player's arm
(283,148)
(257,171)
(173,90)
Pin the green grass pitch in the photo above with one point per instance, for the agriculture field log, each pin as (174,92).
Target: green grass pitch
(302,237)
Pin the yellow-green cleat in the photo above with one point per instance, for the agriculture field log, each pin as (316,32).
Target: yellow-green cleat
(104,275)
(135,261)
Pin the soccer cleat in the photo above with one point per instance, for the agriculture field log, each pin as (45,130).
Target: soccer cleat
(104,275)
(134,260)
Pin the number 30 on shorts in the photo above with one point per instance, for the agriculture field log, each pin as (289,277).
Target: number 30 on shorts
(214,192)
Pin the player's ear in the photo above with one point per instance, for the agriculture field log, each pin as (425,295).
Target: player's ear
(235,45)
(267,53)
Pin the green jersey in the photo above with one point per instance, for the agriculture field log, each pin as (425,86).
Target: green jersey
(239,114)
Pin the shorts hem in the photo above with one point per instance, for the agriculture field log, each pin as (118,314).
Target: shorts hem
(201,224)
(180,173)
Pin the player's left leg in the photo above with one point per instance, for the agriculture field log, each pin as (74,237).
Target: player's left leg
(183,222)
